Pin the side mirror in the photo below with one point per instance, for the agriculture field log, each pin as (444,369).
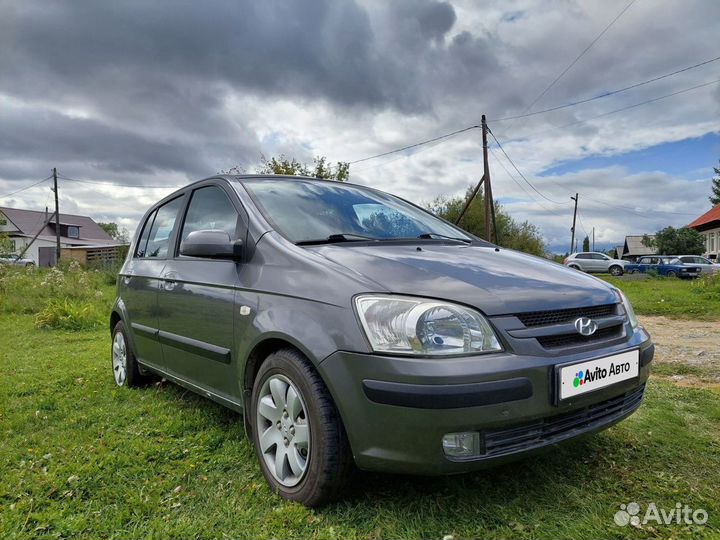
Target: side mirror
(211,244)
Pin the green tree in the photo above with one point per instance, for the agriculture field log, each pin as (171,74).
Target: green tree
(7,246)
(672,241)
(522,236)
(120,235)
(715,197)
(320,168)
(586,243)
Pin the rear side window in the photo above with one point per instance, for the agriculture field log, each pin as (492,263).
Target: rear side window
(582,256)
(142,242)
(161,230)
(210,209)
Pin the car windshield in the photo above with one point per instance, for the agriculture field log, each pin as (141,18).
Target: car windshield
(316,211)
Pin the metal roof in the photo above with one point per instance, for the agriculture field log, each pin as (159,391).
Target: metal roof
(29,223)
(707,220)
(634,246)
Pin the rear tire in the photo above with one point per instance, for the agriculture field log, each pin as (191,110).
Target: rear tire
(299,437)
(616,270)
(124,364)
(575,267)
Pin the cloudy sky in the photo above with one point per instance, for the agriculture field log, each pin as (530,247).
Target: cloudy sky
(165,92)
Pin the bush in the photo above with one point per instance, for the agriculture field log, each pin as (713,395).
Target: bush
(68,315)
(30,290)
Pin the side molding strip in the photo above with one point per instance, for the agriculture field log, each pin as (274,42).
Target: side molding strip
(194,346)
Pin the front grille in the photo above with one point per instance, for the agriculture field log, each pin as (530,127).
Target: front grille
(556,428)
(559,316)
(570,340)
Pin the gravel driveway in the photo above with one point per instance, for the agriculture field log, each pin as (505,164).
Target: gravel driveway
(695,344)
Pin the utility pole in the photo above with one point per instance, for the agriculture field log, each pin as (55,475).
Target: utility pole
(489,204)
(57,218)
(572,240)
(489,207)
(593,240)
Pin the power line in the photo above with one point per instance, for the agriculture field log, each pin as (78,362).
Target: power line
(582,225)
(410,146)
(569,67)
(26,187)
(114,184)
(499,162)
(427,146)
(606,94)
(633,210)
(615,111)
(520,173)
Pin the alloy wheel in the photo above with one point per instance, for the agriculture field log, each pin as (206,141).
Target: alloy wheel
(119,359)
(283,430)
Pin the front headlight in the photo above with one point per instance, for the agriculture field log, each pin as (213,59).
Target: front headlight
(408,325)
(628,309)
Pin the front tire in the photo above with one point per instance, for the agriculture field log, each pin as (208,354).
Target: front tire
(616,270)
(671,274)
(124,364)
(299,438)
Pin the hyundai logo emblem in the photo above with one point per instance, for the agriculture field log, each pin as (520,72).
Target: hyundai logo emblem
(585,326)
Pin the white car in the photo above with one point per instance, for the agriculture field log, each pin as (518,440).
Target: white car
(592,261)
(17,262)
(706,265)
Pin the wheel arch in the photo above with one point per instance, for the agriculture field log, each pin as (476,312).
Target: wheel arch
(118,314)
(258,353)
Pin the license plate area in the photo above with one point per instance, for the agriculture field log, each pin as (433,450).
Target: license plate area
(581,378)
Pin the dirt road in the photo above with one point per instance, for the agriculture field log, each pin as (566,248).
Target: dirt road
(693,343)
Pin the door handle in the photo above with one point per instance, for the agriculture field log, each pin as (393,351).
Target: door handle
(168,281)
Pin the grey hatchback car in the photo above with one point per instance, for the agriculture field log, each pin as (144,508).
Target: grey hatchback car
(354,329)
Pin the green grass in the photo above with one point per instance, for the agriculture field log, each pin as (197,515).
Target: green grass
(83,458)
(672,297)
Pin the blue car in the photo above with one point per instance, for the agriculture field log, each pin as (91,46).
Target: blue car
(663,266)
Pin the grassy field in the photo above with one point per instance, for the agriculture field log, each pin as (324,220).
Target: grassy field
(672,297)
(82,458)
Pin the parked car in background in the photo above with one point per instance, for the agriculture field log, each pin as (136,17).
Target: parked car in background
(706,265)
(592,261)
(352,327)
(664,266)
(17,262)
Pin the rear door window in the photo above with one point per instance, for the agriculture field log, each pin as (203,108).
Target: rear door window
(142,241)
(162,229)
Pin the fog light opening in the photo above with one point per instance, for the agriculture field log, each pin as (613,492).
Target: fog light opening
(461,445)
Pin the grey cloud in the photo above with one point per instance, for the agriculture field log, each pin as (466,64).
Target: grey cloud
(54,138)
(181,89)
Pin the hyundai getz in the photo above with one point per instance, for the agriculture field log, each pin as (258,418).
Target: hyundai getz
(353,328)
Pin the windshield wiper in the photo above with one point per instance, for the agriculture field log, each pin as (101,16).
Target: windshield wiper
(431,235)
(337,238)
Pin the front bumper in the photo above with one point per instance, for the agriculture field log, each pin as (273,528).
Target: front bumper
(397,409)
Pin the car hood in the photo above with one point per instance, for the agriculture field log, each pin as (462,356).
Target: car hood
(496,281)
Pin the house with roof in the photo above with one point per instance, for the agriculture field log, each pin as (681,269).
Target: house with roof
(633,248)
(33,232)
(708,225)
